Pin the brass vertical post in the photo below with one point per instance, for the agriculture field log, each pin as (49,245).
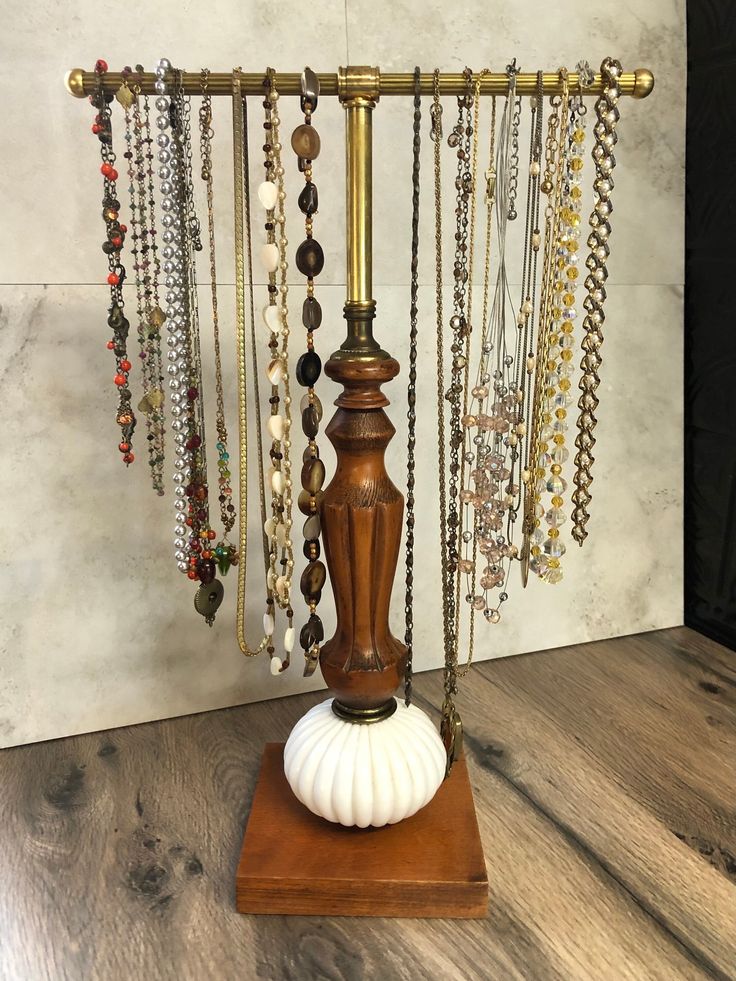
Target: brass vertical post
(358,89)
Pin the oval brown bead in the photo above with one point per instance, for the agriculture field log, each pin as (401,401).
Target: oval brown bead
(305,401)
(305,142)
(310,453)
(311,313)
(304,502)
(313,579)
(312,527)
(310,422)
(310,259)
(313,476)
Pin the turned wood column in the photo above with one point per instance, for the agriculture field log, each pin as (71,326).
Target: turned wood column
(362,510)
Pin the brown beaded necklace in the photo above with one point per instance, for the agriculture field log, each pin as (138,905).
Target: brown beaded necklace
(310,259)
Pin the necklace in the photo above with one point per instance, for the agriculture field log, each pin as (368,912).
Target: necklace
(545,376)
(412,387)
(278,527)
(114,238)
(607,113)
(224,552)
(193,534)
(305,142)
(459,139)
(149,315)
(553,453)
(243,247)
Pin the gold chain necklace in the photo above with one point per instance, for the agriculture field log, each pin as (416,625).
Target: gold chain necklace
(241,177)
(554,158)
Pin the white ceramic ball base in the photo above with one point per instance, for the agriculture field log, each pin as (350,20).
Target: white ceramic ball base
(360,775)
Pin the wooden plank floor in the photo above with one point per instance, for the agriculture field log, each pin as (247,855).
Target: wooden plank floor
(605,783)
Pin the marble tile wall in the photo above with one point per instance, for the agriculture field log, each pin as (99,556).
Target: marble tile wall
(96,627)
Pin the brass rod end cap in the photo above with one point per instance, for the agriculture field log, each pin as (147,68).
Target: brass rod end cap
(74,81)
(643,83)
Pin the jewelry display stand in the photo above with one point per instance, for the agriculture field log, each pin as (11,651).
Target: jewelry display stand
(360,759)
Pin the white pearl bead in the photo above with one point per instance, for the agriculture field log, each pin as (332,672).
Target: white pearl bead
(289,638)
(275,665)
(278,484)
(275,426)
(268,624)
(269,527)
(272,318)
(268,195)
(270,257)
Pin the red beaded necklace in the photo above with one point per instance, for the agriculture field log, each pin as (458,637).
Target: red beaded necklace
(112,246)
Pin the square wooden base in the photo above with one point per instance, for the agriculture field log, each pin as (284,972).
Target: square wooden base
(430,865)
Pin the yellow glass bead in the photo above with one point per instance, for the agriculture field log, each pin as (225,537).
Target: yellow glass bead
(554,532)
(568,299)
(560,262)
(536,550)
(546,418)
(565,384)
(559,286)
(573,246)
(551,366)
(549,392)
(576,164)
(558,439)
(561,413)
(557,501)
(556,313)
(576,193)
(568,327)
(554,563)
(543,447)
(574,220)
(566,355)
(578,135)
(556,468)
(573,272)
(539,472)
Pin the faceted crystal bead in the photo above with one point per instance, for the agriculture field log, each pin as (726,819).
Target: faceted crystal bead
(555,517)
(556,485)
(560,454)
(554,548)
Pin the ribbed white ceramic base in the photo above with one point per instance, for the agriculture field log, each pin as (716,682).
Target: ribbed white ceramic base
(361,775)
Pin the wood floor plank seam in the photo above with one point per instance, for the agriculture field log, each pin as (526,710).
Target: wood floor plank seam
(698,958)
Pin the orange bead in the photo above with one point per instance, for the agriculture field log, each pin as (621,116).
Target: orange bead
(212,534)
(192,574)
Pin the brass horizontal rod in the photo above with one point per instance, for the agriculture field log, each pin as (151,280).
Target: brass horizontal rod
(637,84)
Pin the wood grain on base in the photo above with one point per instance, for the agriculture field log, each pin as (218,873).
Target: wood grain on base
(430,865)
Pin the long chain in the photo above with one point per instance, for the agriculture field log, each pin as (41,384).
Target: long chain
(412,387)
(240,180)
(606,110)
(223,552)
